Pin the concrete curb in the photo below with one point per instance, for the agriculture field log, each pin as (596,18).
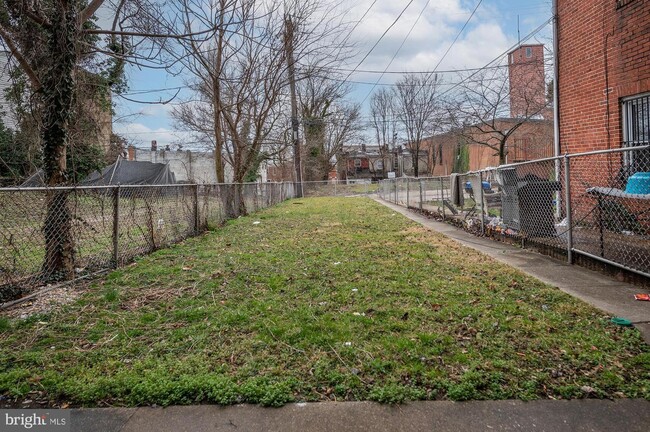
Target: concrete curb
(629,415)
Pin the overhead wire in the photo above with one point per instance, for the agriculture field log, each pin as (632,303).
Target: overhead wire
(397,51)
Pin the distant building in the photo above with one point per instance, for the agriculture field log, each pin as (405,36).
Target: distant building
(188,166)
(526,81)
(468,149)
(450,152)
(373,163)
(5,82)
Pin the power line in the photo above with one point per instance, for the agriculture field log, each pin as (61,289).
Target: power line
(379,40)
(500,56)
(449,71)
(398,50)
(457,36)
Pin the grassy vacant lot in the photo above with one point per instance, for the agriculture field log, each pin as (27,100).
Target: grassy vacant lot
(323,299)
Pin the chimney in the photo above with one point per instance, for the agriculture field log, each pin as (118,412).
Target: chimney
(154,145)
(131,153)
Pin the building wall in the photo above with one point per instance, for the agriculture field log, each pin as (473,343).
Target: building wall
(188,166)
(526,80)
(532,140)
(604,56)
(5,82)
(280,172)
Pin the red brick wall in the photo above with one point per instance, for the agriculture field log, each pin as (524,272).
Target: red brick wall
(604,56)
(532,140)
(526,79)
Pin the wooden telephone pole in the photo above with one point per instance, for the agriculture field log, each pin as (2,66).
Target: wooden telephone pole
(295,125)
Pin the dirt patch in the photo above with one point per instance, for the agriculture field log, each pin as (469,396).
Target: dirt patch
(45,302)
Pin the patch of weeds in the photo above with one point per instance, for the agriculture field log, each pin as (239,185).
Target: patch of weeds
(267,392)
(111,295)
(5,324)
(478,385)
(395,394)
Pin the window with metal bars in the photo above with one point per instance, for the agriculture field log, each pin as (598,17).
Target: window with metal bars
(621,3)
(636,131)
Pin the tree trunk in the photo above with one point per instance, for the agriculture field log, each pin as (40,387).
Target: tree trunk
(316,162)
(58,95)
(415,160)
(502,153)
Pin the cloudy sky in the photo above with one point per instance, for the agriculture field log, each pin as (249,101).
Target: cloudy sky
(491,31)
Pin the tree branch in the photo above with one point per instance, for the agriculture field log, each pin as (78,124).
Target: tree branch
(24,65)
(90,10)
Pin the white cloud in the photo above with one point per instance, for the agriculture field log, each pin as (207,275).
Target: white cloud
(482,40)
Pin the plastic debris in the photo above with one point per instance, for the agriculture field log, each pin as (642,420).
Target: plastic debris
(257,223)
(622,322)
(642,297)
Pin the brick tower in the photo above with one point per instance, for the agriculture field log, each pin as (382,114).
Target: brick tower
(527,85)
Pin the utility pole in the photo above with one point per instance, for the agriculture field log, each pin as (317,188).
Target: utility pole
(288,46)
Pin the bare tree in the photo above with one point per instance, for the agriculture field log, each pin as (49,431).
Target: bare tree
(488,109)
(343,128)
(240,74)
(53,42)
(384,122)
(419,111)
(329,122)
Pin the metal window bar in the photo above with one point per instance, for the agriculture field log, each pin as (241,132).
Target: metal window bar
(636,128)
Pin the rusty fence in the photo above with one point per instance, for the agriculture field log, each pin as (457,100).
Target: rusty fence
(596,204)
(53,234)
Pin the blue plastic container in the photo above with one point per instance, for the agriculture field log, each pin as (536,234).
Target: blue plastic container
(638,183)
(486,186)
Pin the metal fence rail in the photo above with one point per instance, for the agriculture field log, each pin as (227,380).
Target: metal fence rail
(106,227)
(596,203)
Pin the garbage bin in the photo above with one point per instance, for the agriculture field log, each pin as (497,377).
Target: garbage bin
(527,203)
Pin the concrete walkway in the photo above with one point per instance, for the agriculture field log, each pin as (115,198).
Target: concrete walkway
(614,297)
(544,415)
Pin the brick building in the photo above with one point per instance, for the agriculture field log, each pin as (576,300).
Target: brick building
(604,74)
(450,152)
(466,150)
(527,83)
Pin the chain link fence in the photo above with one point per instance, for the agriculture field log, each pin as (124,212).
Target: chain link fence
(49,235)
(340,188)
(596,204)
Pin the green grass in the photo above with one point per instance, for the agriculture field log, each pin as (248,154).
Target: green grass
(324,299)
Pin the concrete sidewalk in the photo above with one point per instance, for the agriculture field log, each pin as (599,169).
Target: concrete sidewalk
(614,297)
(627,415)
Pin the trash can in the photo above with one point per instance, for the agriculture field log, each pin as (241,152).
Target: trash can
(527,203)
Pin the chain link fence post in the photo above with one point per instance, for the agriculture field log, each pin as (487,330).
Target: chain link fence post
(442,197)
(567,199)
(395,183)
(116,226)
(408,187)
(482,198)
(421,199)
(197,220)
